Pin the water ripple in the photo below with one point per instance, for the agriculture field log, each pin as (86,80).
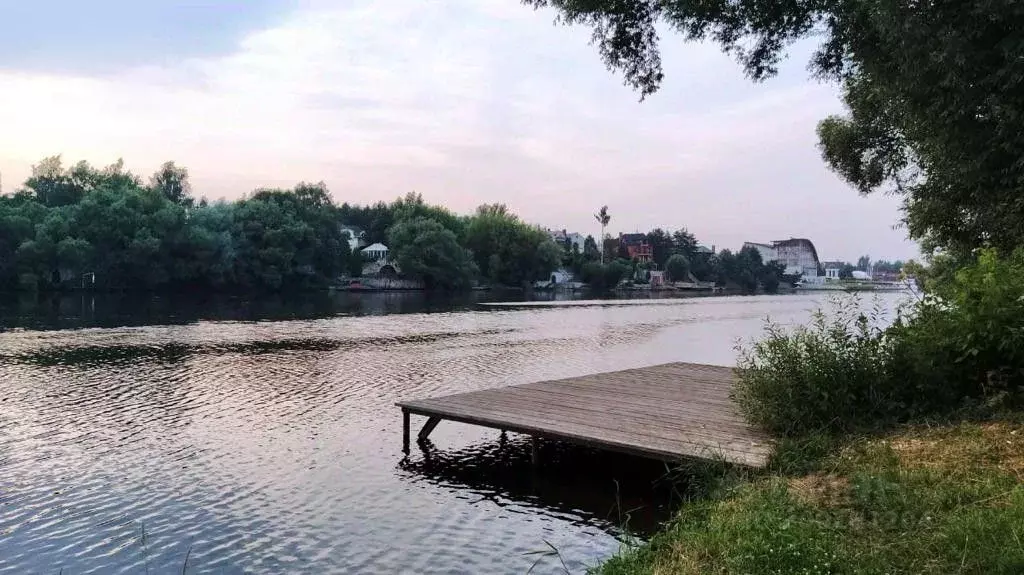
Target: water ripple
(270,447)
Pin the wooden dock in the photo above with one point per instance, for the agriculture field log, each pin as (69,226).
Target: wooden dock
(672,411)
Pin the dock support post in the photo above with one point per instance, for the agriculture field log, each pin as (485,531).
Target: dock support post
(405,431)
(427,428)
(535,450)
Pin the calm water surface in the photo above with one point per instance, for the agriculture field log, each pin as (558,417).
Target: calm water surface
(262,437)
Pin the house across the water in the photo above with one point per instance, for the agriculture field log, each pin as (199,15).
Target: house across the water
(637,247)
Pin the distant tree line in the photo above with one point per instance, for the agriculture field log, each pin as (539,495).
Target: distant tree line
(865,264)
(678,254)
(107,228)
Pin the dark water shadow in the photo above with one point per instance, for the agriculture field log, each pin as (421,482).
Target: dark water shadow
(52,311)
(99,355)
(621,494)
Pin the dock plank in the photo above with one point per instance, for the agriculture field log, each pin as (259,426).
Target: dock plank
(669,411)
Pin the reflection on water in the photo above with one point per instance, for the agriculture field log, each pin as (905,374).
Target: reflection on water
(584,485)
(270,444)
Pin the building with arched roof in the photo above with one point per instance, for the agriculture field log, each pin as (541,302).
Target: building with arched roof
(798,255)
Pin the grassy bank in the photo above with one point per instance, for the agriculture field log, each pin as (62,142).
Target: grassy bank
(863,479)
(918,499)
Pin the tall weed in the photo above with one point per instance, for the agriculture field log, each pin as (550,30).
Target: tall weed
(826,376)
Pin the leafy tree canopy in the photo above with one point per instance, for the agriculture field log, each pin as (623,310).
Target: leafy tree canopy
(678,268)
(507,250)
(424,249)
(67,223)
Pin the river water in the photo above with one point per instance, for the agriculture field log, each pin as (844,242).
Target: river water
(260,436)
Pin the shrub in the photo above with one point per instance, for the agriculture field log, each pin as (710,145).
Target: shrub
(678,268)
(603,277)
(962,346)
(830,375)
(965,342)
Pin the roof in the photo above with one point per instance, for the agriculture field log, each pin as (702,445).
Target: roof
(377,247)
(354,232)
(632,238)
(798,242)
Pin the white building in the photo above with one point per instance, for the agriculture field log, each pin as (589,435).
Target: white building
(356,237)
(575,240)
(562,237)
(376,253)
(798,255)
(561,276)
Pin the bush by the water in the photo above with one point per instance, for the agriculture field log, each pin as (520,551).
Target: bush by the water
(604,276)
(828,375)
(960,347)
(966,342)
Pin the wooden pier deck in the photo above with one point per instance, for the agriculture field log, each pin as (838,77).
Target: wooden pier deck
(671,411)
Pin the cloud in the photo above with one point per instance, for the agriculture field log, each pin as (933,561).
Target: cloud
(102,36)
(467,102)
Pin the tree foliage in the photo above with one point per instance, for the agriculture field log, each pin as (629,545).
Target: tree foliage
(508,251)
(661,246)
(172,182)
(424,249)
(932,90)
(959,347)
(602,277)
(70,222)
(746,271)
(677,268)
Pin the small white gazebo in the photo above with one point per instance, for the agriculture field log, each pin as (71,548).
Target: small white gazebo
(377,252)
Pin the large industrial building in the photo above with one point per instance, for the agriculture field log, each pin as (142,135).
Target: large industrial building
(798,255)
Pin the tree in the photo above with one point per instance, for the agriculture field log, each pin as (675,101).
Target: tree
(354,263)
(509,251)
(425,250)
(914,270)
(888,267)
(662,246)
(746,271)
(864,263)
(932,90)
(771,275)
(590,251)
(603,218)
(54,186)
(683,242)
(412,206)
(172,182)
(677,268)
(601,277)
(702,266)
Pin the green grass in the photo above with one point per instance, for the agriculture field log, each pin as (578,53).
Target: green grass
(920,499)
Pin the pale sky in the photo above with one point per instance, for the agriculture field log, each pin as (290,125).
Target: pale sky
(464,101)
